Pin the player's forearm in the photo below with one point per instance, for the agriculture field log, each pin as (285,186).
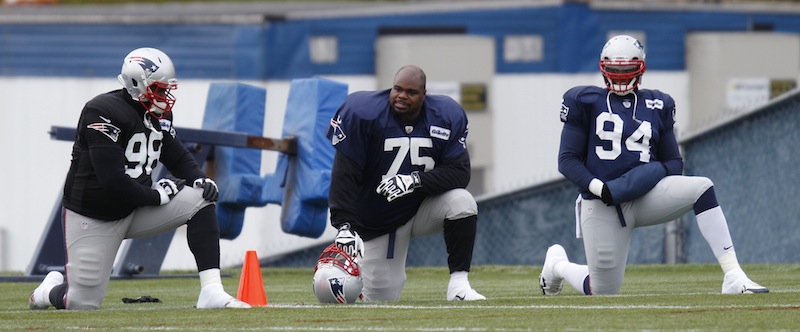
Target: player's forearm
(636,182)
(343,194)
(570,157)
(451,175)
(669,154)
(108,165)
(575,171)
(674,166)
(180,162)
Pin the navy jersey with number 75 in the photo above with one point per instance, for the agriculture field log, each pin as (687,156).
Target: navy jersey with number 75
(366,132)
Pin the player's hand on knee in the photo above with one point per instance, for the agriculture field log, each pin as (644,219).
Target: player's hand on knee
(167,189)
(349,241)
(210,190)
(398,185)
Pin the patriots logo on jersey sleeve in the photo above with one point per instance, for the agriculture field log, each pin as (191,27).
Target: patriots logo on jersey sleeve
(337,289)
(463,139)
(564,111)
(338,133)
(107,129)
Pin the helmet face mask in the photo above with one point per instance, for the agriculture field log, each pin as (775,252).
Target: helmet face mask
(160,96)
(337,278)
(622,63)
(149,77)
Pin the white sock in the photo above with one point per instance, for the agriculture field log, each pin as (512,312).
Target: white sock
(210,277)
(714,227)
(573,274)
(459,280)
(729,262)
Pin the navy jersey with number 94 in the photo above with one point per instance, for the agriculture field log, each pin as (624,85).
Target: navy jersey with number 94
(606,135)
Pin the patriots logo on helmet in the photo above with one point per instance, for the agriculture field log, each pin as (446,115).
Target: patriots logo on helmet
(338,133)
(337,289)
(107,129)
(638,45)
(148,65)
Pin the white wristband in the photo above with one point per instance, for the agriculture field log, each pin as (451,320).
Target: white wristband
(596,187)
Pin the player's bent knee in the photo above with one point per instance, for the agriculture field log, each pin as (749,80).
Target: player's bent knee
(84,269)
(382,295)
(82,306)
(387,292)
(698,184)
(607,271)
(383,287)
(606,259)
(605,282)
(193,195)
(460,204)
(605,290)
(704,183)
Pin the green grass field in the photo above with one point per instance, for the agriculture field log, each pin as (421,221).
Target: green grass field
(653,297)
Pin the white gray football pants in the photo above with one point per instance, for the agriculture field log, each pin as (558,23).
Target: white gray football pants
(606,242)
(384,278)
(92,244)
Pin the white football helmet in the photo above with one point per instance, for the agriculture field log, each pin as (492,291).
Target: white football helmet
(149,76)
(622,64)
(337,278)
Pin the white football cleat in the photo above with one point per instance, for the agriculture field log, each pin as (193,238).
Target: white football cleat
(464,294)
(40,298)
(214,296)
(736,282)
(549,283)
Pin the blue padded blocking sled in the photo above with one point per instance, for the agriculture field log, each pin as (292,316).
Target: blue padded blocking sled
(236,107)
(300,183)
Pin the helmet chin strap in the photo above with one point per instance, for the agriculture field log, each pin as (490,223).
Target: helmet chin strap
(622,93)
(158,108)
(635,102)
(155,108)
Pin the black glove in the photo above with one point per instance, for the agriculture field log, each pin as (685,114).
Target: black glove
(141,299)
(210,190)
(606,195)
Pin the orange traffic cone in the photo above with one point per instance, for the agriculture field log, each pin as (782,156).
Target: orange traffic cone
(251,286)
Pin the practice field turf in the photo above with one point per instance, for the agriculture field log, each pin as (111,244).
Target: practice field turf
(653,297)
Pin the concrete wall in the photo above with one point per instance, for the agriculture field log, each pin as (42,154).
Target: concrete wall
(719,62)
